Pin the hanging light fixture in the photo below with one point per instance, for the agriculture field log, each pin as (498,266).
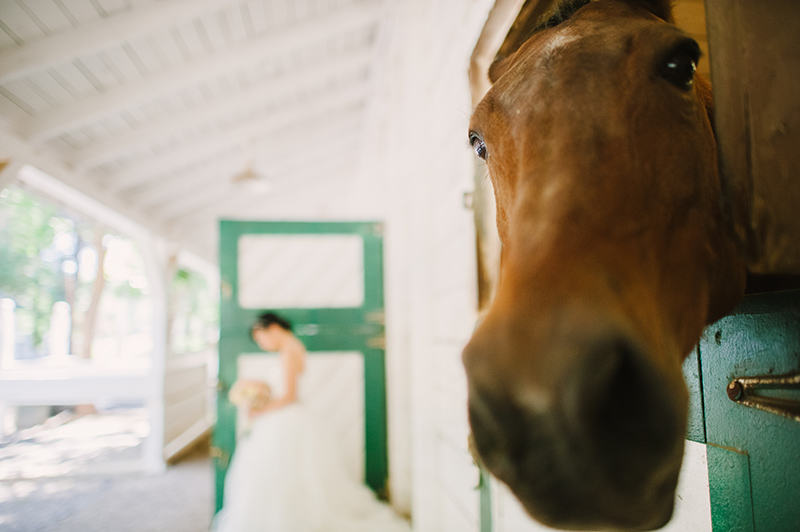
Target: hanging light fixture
(249,178)
(252,180)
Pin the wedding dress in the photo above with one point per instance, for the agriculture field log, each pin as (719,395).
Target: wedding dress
(287,476)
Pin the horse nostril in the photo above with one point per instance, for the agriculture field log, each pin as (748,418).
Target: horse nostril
(624,405)
(498,430)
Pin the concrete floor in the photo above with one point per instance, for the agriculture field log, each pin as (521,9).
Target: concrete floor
(177,501)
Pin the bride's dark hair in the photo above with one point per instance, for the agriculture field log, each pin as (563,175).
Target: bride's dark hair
(268,318)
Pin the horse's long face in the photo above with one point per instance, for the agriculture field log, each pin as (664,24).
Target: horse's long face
(615,256)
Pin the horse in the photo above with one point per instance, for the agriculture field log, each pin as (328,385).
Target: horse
(617,250)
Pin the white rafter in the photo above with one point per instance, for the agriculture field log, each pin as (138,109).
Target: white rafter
(289,188)
(278,43)
(102,33)
(64,185)
(314,146)
(269,90)
(326,108)
(193,230)
(212,197)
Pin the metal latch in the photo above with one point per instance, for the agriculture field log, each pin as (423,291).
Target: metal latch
(222,456)
(747,391)
(377,342)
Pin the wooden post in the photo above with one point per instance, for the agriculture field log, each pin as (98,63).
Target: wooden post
(755,58)
(499,29)
(487,241)
(155,257)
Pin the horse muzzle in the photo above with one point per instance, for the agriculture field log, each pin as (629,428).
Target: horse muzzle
(588,438)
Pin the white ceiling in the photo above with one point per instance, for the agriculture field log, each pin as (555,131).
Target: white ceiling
(151,107)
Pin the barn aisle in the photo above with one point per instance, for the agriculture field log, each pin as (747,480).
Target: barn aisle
(177,501)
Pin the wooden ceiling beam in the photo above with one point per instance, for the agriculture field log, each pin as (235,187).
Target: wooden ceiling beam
(498,22)
(206,202)
(53,179)
(279,43)
(102,33)
(253,97)
(198,232)
(322,110)
(315,147)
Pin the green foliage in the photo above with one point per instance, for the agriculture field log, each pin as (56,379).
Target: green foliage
(196,312)
(48,255)
(43,260)
(30,259)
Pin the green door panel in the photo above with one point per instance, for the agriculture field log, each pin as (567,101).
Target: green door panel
(761,338)
(729,488)
(357,329)
(485,501)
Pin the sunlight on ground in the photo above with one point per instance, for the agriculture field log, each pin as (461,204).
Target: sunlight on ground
(93,496)
(89,444)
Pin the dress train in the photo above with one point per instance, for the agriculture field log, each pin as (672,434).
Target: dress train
(286,476)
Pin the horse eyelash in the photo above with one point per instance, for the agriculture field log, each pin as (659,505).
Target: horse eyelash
(485,171)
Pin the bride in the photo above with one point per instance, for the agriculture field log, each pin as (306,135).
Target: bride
(286,476)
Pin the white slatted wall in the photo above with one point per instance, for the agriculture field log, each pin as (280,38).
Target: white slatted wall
(187,400)
(426,167)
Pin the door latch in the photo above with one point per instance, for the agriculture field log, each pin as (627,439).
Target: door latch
(222,456)
(748,391)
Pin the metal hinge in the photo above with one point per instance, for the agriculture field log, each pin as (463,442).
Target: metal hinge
(223,457)
(377,342)
(376,316)
(745,391)
(226,290)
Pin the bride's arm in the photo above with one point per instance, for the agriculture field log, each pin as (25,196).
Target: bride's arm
(293,365)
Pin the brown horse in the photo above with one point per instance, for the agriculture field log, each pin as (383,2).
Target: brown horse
(616,253)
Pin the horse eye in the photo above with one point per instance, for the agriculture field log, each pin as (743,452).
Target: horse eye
(681,64)
(477,144)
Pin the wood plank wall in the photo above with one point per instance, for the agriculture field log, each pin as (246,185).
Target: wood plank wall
(187,400)
(425,167)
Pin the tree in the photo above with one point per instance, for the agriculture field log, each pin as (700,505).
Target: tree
(30,259)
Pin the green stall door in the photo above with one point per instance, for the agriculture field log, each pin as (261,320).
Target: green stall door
(750,364)
(327,279)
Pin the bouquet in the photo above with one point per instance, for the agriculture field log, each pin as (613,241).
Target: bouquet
(253,394)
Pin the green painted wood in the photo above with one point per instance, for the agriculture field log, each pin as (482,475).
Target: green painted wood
(762,337)
(729,489)
(320,329)
(696,426)
(485,488)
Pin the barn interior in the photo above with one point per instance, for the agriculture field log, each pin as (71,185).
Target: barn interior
(145,131)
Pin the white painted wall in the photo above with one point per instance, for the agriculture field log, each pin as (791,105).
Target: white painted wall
(418,174)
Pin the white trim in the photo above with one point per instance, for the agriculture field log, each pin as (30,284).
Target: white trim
(55,188)
(52,179)
(188,438)
(155,256)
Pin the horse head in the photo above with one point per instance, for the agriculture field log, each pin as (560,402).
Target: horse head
(598,138)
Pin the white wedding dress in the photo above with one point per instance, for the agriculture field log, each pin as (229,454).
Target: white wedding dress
(286,476)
